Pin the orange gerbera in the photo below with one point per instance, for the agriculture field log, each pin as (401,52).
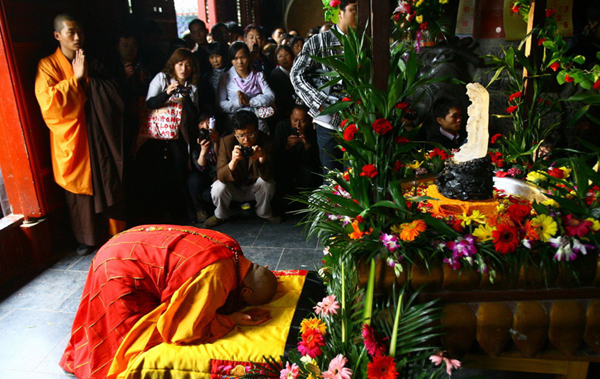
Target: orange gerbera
(411,230)
(357,233)
(529,232)
(313,324)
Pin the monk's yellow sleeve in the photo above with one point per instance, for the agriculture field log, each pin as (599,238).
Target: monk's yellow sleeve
(191,314)
(59,98)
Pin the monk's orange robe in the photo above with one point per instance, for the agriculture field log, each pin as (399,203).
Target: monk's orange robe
(62,101)
(147,286)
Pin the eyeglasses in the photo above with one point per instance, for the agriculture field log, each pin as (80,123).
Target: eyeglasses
(246,135)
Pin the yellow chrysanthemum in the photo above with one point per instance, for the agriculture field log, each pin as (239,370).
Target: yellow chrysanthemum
(396,229)
(566,172)
(500,208)
(483,232)
(414,165)
(551,203)
(595,224)
(546,227)
(313,323)
(419,19)
(536,177)
(418,4)
(476,216)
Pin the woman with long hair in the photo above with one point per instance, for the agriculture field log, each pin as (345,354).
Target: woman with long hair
(241,87)
(166,136)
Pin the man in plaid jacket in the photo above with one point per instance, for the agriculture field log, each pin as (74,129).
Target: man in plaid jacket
(307,78)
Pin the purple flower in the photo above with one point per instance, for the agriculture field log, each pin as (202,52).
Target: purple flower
(454,263)
(390,241)
(564,252)
(579,247)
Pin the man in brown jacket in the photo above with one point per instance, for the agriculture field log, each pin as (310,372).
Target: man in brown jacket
(244,170)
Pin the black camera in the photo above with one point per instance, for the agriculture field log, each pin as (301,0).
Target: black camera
(203,134)
(182,90)
(246,151)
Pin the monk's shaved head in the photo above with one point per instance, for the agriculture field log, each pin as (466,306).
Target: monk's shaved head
(262,283)
(59,21)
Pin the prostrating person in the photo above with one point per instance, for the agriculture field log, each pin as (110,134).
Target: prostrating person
(158,284)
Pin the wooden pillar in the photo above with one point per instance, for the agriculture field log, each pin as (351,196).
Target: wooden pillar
(374,19)
(537,15)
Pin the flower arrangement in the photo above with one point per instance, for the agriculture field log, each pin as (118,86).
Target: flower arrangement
(420,20)
(373,210)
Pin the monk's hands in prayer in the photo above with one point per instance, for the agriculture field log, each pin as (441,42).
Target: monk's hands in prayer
(254,316)
(172,87)
(244,99)
(79,65)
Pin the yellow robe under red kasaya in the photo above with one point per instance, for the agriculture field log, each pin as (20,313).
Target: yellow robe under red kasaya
(62,101)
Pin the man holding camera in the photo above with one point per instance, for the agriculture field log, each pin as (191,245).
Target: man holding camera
(244,170)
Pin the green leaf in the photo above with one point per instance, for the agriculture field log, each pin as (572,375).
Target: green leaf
(579,59)
(337,107)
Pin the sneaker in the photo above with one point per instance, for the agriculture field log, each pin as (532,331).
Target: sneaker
(274,219)
(201,216)
(84,249)
(213,221)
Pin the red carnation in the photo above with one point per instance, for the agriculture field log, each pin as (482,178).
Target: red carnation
(550,12)
(402,105)
(382,126)
(518,212)
(554,66)
(515,95)
(369,171)
(512,108)
(495,138)
(343,124)
(501,174)
(568,79)
(398,165)
(350,132)
(424,26)
(556,172)
(360,219)
(436,151)
(506,239)
(401,140)
(397,17)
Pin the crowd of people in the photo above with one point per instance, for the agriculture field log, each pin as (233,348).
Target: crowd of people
(153,136)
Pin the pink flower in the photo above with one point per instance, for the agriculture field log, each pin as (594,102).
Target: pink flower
(327,306)
(451,364)
(311,343)
(390,241)
(334,3)
(403,7)
(290,372)
(374,346)
(337,369)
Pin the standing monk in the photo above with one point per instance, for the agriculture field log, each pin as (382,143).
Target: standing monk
(84,116)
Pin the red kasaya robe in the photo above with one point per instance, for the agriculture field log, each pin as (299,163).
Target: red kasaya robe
(180,274)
